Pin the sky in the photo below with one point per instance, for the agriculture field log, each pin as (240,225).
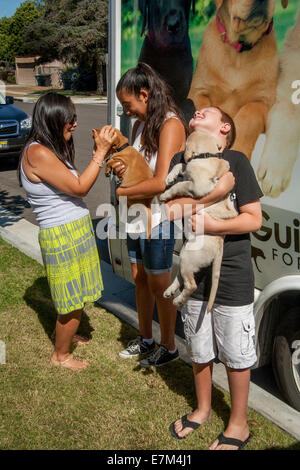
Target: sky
(8,7)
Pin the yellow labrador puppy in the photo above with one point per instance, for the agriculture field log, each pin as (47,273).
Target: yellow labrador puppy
(201,173)
(237,66)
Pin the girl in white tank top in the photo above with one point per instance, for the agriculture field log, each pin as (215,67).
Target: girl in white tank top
(159,135)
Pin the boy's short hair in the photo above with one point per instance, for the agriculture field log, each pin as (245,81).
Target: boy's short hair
(230,137)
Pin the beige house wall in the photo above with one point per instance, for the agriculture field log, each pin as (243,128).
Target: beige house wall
(26,69)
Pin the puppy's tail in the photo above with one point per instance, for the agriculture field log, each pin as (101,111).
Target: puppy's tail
(216,268)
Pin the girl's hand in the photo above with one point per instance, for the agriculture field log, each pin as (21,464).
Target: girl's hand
(104,139)
(121,192)
(118,169)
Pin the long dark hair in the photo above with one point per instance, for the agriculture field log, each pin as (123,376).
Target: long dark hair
(160,102)
(51,113)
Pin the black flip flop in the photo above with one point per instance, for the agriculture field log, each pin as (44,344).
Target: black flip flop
(233,442)
(186,423)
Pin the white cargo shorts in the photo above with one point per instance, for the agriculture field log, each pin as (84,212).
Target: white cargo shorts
(226,333)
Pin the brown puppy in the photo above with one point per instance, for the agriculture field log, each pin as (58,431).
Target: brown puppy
(237,66)
(136,170)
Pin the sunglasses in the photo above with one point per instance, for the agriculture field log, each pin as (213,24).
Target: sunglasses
(73,120)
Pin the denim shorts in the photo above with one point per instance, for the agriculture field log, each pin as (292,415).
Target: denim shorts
(155,254)
(226,333)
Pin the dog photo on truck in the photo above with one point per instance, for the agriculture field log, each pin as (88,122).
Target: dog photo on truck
(242,56)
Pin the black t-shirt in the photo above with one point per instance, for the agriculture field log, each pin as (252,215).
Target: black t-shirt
(236,284)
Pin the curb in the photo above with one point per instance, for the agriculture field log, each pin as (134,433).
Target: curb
(20,233)
(33,100)
(23,235)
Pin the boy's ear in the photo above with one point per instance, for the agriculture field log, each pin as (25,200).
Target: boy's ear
(226,127)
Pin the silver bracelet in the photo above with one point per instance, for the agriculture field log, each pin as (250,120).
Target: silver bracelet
(100,165)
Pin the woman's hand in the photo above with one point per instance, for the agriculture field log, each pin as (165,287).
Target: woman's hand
(104,139)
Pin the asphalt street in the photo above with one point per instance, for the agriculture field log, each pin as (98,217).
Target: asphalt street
(90,116)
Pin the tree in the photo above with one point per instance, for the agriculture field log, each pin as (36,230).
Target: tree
(4,39)
(12,42)
(72,31)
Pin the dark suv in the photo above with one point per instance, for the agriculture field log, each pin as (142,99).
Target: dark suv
(14,127)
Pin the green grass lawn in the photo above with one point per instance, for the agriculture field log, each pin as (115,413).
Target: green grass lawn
(113,404)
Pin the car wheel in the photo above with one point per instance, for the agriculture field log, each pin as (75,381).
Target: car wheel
(286,357)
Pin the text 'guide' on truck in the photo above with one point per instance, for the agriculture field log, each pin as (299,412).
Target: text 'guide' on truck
(260,88)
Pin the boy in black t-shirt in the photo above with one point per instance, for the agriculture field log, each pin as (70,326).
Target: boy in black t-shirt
(228,331)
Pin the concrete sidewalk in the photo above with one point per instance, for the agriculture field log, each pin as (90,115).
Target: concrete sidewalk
(30,94)
(23,235)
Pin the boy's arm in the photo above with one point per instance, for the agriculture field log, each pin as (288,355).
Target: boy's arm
(248,220)
(187,206)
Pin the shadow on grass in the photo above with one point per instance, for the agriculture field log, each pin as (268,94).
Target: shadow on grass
(38,298)
(14,204)
(179,378)
(295,446)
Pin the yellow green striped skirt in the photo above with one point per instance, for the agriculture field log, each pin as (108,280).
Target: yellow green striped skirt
(72,264)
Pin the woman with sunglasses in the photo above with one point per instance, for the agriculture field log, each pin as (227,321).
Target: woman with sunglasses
(54,190)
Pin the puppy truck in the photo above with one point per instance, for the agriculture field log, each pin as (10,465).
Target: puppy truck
(168,35)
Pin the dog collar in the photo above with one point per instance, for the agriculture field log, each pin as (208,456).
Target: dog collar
(122,148)
(207,155)
(239,46)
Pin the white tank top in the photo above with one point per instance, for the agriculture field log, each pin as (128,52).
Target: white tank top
(152,162)
(138,146)
(51,206)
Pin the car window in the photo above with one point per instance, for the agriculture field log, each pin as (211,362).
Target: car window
(2,99)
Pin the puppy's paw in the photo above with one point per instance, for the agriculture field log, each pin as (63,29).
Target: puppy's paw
(178,302)
(275,172)
(167,294)
(169,180)
(163,197)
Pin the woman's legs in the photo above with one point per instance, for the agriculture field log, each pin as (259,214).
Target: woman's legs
(145,300)
(167,312)
(155,256)
(150,289)
(66,327)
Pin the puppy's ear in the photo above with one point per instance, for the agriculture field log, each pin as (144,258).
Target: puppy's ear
(143,7)
(284,3)
(219,3)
